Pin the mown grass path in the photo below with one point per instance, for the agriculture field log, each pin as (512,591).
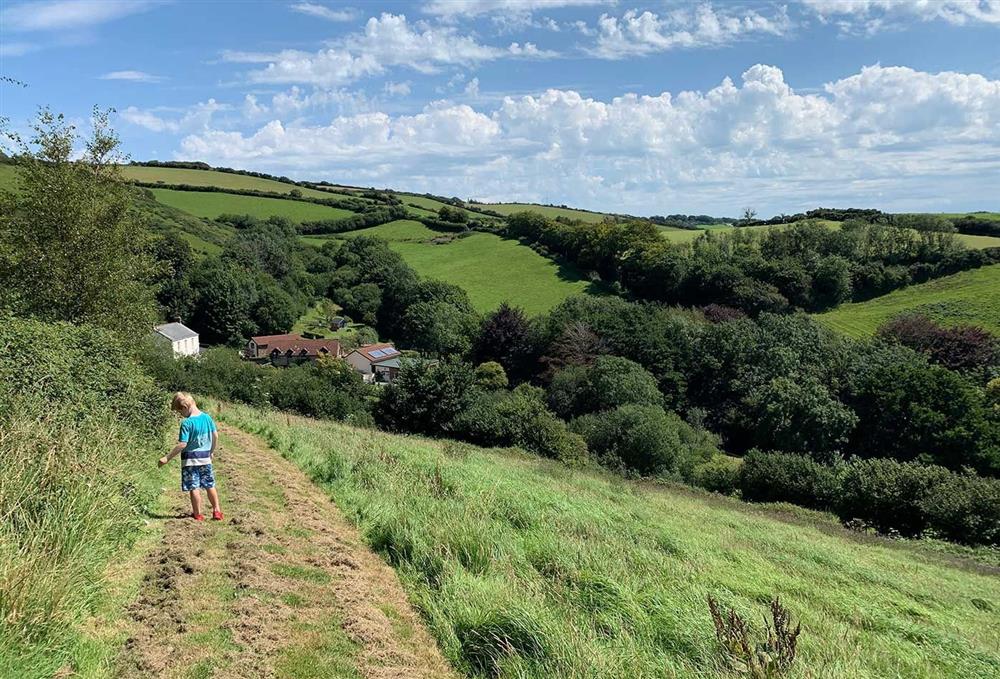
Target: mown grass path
(283,587)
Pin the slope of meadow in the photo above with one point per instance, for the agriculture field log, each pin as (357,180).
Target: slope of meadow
(547,210)
(211,205)
(523,567)
(494,270)
(970,297)
(225,180)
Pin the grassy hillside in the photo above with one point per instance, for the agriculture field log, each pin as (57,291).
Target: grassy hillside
(688,235)
(211,205)
(524,568)
(400,230)
(432,206)
(493,270)
(546,210)
(966,297)
(226,180)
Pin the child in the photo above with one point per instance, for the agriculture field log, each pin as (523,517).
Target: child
(196,442)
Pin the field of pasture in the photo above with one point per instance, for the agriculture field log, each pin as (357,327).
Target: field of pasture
(969,297)
(224,180)
(545,571)
(210,205)
(495,270)
(547,210)
(491,269)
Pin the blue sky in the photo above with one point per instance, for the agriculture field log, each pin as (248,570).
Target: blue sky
(642,107)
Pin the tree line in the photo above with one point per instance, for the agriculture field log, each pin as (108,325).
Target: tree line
(802,266)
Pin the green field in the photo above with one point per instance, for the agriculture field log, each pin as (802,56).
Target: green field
(523,567)
(399,230)
(974,242)
(211,205)
(968,297)
(225,180)
(494,270)
(546,210)
(432,205)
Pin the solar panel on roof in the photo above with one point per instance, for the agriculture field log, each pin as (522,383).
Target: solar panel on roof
(390,351)
(377,352)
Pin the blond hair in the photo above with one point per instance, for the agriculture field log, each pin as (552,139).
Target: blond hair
(182,402)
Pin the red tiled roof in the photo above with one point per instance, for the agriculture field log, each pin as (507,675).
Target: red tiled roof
(297,345)
(367,349)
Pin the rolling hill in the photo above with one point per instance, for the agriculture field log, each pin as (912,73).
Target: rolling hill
(546,571)
(213,204)
(549,211)
(971,297)
(491,269)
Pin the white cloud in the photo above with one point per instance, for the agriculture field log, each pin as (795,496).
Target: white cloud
(324,12)
(195,117)
(16,49)
(477,7)
(472,88)
(871,16)
(54,15)
(397,89)
(387,41)
(646,32)
(888,137)
(133,76)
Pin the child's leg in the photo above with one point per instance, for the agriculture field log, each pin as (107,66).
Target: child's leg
(213,497)
(195,502)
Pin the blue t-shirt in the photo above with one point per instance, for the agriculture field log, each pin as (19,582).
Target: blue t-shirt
(196,432)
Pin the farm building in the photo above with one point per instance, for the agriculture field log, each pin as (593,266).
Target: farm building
(182,339)
(375,362)
(289,348)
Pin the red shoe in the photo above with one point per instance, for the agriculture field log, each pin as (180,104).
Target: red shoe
(217,515)
(198,517)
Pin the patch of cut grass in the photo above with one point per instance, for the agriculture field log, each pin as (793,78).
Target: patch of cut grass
(495,270)
(297,572)
(211,205)
(329,654)
(533,569)
(968,297)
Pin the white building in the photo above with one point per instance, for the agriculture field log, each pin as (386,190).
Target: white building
(183,340)
(375,362)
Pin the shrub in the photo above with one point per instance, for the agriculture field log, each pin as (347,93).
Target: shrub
(637,438)
(787,477)
(721,474)
(616,381)
(518,417)
(491,375)
(964,508)
(568,391)
(889,495)
(75,440)
(800,415)
(426,397)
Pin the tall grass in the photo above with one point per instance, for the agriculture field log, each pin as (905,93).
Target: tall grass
(526,568)
(75,437)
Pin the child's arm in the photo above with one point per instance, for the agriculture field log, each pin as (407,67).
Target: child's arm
(215,441)
(174,452)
